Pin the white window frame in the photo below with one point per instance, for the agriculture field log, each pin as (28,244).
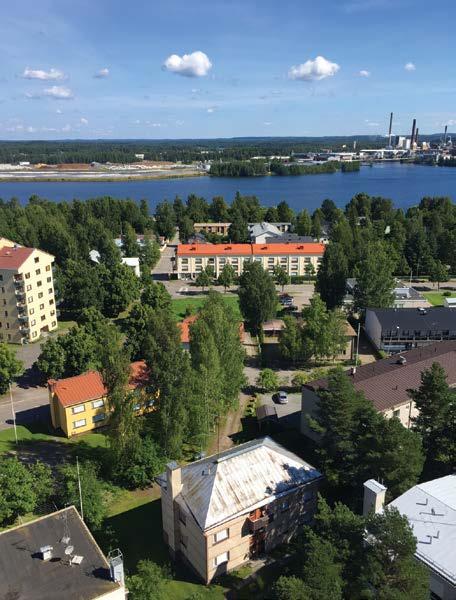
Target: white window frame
(221,559)
(224,534)
(79,423)
(80,408)
(98,403)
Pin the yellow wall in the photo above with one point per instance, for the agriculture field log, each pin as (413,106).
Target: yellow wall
(65,418)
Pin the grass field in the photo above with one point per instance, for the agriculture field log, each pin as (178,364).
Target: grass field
(436,298)
(25,436)
(180,305)
(134,525)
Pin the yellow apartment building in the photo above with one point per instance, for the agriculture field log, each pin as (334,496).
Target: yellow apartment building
(294,258)
(220,512)
(27,301)
(78,404)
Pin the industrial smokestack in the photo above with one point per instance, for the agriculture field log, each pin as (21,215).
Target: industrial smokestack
(412,138)
(390,129)
(416,136)
(445,136)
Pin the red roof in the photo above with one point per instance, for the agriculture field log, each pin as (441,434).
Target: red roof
(211,249)
(310,248)
(13,258)
(90,386)
(289,248)
(184,327)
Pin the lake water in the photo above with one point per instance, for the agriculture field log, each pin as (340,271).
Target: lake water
(404,184)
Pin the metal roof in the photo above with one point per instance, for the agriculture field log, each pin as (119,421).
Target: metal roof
(385,382)
(431,510)
(223,486)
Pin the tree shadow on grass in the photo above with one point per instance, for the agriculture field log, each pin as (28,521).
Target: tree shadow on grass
(139,534)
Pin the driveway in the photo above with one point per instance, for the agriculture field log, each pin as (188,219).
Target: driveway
(289,415)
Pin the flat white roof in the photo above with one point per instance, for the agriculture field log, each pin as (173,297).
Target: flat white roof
(431,510)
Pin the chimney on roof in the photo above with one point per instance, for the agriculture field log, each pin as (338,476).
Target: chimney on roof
(173,479)
(374,497)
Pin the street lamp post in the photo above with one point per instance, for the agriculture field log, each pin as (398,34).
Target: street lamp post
(13,412)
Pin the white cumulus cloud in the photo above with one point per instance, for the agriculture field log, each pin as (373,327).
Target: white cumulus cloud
(84,121)
(102,73)
(52,74)
(314,70)
(409,66)
(364,73)
(196,64)
(59,92)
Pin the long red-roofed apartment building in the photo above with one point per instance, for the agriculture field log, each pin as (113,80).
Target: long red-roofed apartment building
(79,404)
(27,302)
(191,259)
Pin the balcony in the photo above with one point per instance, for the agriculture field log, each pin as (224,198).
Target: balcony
(23,317)
(256,524)
(20,304)
(24,328)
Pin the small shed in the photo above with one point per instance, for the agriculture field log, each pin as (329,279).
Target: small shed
(266,415)
(273,328)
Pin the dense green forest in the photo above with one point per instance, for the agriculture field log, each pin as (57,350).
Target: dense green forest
(171,150)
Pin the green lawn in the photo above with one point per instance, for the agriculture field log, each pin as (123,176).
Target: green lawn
(180,305)
(134,525)
(26,435)
(436,298)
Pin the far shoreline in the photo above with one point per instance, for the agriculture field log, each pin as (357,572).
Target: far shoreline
(95,179)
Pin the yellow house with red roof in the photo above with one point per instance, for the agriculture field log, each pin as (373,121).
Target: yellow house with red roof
(79,404)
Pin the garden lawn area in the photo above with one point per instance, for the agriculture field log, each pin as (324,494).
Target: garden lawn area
(180,305)
(25,436)
(134,525)
(436,298)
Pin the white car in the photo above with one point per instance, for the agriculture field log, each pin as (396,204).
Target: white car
(282,398)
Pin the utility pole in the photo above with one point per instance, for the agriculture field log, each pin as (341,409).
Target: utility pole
(13,412)
(80,490)
(357,344)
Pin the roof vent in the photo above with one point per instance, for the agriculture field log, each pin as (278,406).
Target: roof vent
(76,559)
(46,552)
(401,360)
(116,565)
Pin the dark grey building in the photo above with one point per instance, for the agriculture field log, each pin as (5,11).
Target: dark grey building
(398,329)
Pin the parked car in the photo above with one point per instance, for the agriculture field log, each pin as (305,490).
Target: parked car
(282,397)
(286,300)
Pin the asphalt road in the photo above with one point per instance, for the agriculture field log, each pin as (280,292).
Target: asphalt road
(30,405)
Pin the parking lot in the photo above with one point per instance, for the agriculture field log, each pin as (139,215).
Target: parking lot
(288,414)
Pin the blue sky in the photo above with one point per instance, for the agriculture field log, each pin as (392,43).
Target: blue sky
(223,68)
